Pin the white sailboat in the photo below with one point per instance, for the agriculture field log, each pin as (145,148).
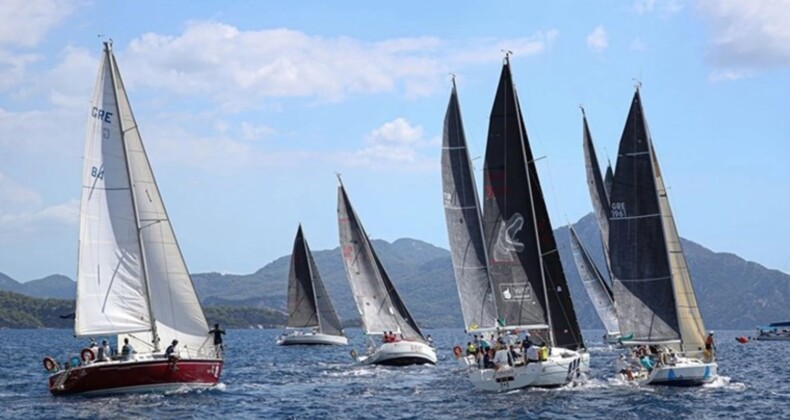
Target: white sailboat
(507,267)
(654,297)
(132,281)
(380,307)
(311,316)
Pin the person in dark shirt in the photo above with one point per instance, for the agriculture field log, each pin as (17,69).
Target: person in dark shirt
(170,352)
(217,332)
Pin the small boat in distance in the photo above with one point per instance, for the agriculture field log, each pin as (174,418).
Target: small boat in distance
(132,281)
(776,331)
(309,305)
(653,292)
(381,309)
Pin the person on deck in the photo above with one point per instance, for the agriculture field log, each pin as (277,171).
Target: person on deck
(647,363)
(171,350)
(217,332)
(623,367)
(710,347)
(104,353)
(532,353)
(127,350)
(470,348)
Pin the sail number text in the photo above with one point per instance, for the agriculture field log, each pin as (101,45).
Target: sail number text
(101,114)
(97,173)
(618,210)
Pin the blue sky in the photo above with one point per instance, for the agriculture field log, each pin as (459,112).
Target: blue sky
(247,109)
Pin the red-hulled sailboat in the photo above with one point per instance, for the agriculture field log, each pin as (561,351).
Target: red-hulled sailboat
(132,280)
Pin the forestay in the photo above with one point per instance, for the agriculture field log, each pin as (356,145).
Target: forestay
(464,228)
(642,279)
(378,303)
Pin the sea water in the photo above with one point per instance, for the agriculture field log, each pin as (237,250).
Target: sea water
(262,380)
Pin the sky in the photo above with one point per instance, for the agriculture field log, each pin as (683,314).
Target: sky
(248,109)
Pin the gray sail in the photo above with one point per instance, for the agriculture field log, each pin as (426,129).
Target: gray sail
(378,303)
(464,228)
(595,183)
(308,302)
(594,284)
(642,279)
(607,180)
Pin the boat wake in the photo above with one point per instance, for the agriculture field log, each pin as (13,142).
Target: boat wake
(725,382)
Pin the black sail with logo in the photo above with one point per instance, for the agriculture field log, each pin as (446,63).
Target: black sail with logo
(642,282)
(517,227)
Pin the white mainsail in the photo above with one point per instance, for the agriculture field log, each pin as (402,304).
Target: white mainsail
(173,309)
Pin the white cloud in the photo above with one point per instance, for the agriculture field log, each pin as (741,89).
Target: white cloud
(747,36)
(396,144)
(665,8)
(26,22)
(63,214)
(14,195)
(241,68)
(597,39)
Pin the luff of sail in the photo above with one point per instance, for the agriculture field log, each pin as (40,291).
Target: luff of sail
(175,311)
(642,278)
(378,303)
(692,328)
(598,193)
(608,179)
(308,302)
(596,287)
(464,228)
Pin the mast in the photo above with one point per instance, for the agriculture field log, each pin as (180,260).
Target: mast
(113,69)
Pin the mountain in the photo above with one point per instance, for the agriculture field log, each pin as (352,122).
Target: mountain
(732,293)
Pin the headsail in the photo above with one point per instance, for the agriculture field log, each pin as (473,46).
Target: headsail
(379,304)
(175,311)
(464,228)
(308,301)
(598,193)
(529,284)
(692,328)
(642,278)
(608,179)
(594,284)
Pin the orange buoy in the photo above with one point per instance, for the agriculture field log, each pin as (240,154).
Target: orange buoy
(742,339)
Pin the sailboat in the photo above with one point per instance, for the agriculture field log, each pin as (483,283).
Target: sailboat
(132,280)
(515,259)
(655,300)
(597,288)
(381,309)
(308,302)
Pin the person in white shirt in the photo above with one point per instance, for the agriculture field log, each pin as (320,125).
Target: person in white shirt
(532,354)
(501,358)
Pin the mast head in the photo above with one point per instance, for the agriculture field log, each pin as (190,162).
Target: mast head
(339,179)
(581,107)
(507,53)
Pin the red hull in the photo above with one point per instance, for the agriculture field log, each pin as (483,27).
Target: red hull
(136,376)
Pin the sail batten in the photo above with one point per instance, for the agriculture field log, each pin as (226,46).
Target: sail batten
(464,226)
(379,304)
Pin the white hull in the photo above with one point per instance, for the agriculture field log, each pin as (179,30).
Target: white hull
(561,368)
(400,353)
(312,339)
(686,372)
(773,337)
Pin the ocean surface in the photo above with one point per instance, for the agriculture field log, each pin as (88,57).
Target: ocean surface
(262,380)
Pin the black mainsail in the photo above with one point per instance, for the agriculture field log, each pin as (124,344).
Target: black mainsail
(464,228)
(379,304)
(308,302)
(642,277)
(529,285)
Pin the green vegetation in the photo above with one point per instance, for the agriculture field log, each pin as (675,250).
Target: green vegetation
(20,311)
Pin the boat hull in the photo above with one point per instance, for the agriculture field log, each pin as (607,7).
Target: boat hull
(773,337)
(562,367)
(312,339)
(401,353)
(685,373)
(136,376)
